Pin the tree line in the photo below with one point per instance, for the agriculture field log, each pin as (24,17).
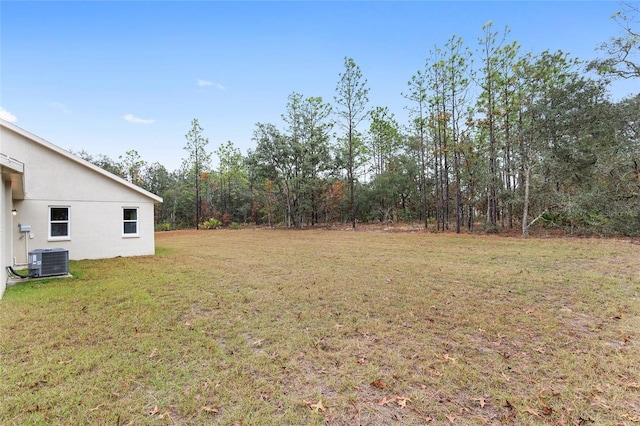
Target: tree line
(497,139)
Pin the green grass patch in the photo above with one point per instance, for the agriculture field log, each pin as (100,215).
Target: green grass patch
(262,327)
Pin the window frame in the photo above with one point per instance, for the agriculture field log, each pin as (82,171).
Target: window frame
(126,221)
(52,222)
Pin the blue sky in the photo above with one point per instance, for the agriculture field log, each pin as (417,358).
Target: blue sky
(109,77)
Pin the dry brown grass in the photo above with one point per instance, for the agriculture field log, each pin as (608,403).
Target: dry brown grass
(328,327)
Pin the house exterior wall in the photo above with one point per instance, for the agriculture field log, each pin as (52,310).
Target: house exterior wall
(95,200)
(5,231)
(95,229)
(11,186)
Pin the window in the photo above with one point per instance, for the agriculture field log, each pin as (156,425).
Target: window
(59,223)
(130,221)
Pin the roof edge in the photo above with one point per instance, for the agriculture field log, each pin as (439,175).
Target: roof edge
(22,132)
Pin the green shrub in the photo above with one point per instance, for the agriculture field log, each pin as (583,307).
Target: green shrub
(165,226)
(212,223)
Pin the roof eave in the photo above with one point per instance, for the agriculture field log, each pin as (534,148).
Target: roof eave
(156,199)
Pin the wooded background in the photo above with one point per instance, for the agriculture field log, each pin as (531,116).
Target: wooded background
(498,140)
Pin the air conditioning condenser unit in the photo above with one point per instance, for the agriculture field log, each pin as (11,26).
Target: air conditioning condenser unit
(48,262)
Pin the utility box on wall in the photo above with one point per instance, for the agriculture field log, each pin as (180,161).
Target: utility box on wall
(48,262)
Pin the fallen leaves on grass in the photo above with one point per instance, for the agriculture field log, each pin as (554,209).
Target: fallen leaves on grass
(470,354)
(435,372)
(629,383)
(400,401)
(386,401)
(546,410)
(532,411)
(155,411)
(481,401)
(548,393)
(378,384)
(163,415)
(316,407)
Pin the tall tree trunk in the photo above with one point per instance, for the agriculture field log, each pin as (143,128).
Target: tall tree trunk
(352,187)
(456,157)
(470,215)
(352,97)
(423,182)
(459,208)
(423,177)
(525,207)
(508,177)
(437,180)
(445,166)
(493,190)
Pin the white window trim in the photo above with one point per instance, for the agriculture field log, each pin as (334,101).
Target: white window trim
(50,222)
(137,222)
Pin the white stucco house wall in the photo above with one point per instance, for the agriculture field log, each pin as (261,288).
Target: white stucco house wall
(67,203)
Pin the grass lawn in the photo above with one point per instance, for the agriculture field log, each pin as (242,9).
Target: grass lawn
(263,327)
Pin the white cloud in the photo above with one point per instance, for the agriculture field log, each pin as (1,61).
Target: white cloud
(205,83)
(60,107)
(133,119)
(7,116)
